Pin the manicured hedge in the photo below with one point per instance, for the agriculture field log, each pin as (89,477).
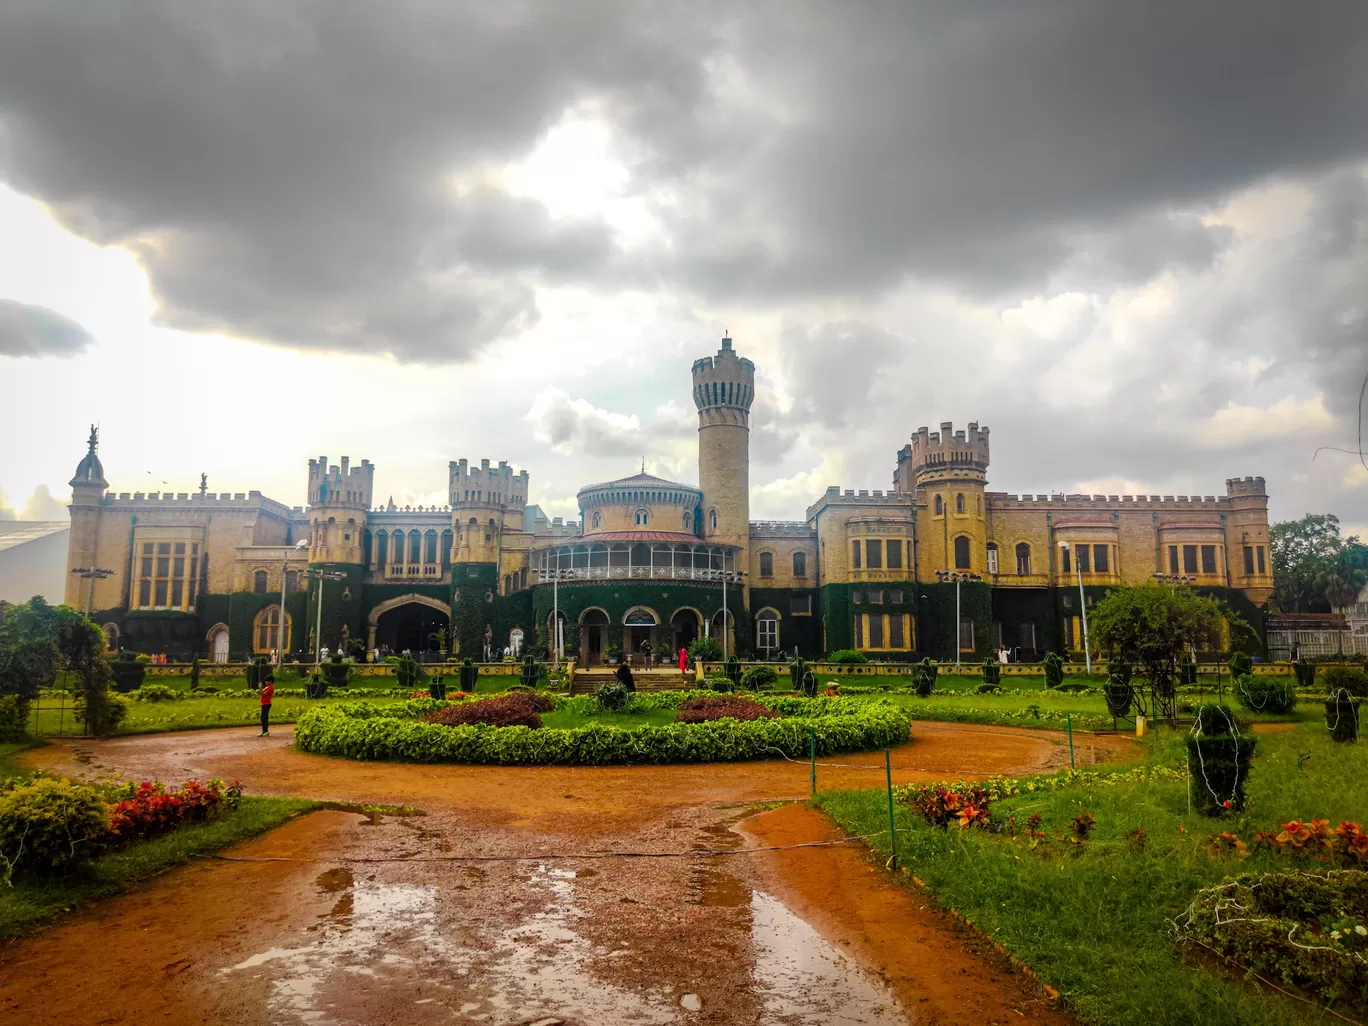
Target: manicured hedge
(363,731)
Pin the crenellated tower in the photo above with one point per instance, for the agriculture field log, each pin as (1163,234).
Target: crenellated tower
(484,500)
(947,471)
(338,500)
(88,487)
(1249,558)
(723,390)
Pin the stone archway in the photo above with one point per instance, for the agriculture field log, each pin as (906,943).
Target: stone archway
(413,636)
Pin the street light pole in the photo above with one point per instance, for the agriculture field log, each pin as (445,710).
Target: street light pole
(320,575)
(91,574)
(280,631)
(1082,605)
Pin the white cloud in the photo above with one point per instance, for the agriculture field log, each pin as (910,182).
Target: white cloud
(1238,425)
(576,427)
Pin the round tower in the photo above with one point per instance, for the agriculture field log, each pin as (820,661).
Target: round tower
(339,498)
(88,487)
(949,474)
(723,389)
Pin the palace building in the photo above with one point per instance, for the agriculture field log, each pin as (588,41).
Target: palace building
(937,565)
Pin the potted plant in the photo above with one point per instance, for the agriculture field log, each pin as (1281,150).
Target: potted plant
(612,653)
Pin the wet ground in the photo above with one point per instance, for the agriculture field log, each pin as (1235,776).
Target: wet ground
(349,920)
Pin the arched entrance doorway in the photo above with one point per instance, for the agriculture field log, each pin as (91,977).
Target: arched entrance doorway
(411,623)
(724,631)
(593,637)
(639,629)
(218,643)
(684,625)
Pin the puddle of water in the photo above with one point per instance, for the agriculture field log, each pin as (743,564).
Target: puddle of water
(802,978)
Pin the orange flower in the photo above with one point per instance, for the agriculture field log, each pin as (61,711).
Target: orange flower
(1295,833)
(1357,848)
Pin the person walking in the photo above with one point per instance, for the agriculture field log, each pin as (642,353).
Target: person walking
(267,692)
(683,660)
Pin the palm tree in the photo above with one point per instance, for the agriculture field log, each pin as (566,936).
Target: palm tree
(1343,581)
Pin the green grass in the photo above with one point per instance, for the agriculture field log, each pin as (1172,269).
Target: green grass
(28,904)
(1095,922)
(639,718)
(53,719)
(9,758)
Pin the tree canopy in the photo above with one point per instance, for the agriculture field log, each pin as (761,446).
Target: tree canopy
(1314,569)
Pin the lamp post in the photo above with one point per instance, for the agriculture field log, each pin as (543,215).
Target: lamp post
(280,631)
(950,575)
(1082,606)
(320,575)
(91,574)
(556,640)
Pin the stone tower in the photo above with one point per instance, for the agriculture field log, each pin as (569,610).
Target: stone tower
(484,501)
(948,470)
(1247,528)
(88,487)
(338,500)
(723,390)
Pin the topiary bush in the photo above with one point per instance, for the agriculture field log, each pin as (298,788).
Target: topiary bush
(1342,716)
(1240,664)
(704,710)
(1305,672)
(733,671)
(1346,678)
(1266,694)
(924,677)
(155,693)
(514,709)
(469,677)
(336,671)
(612,697)
(719,684)
(992,671)
(256,672)
(803,678)
(1054,670)
(47,824)
(847,656)
(1219,757)
(1119,691)
(529,672)
(758,678)
(14,715)
(194,673)
(127,671)
(315,687)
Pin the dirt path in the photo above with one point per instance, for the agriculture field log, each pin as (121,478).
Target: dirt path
(330,938)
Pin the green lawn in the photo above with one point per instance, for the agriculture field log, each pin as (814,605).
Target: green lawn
(1094,921)
(55,719)
(565,720)
(27,904)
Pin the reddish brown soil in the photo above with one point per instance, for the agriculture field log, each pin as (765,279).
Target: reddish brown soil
(329,938)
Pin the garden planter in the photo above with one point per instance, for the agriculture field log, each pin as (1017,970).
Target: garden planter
(992,673)
(1342,716)
(1119,697)
(1187,673)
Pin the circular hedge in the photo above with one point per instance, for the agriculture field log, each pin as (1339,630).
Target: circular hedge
(360,730)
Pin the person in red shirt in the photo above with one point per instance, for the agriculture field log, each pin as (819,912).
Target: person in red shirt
(267,690)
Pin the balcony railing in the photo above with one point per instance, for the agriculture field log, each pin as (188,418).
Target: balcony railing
(411,571)
(635,573)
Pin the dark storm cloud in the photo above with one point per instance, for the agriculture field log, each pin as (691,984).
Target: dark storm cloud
(294,171)
(37,331)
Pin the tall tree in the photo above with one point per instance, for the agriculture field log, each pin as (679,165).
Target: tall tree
(1314,568)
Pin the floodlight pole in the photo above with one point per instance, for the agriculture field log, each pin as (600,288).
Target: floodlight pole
(280,632)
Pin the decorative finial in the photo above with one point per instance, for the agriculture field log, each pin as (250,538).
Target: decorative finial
(204,483)
(94,439)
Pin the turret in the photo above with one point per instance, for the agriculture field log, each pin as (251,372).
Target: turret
(484,500)
(339,497)
(947,470)
(88,487)
(723,390)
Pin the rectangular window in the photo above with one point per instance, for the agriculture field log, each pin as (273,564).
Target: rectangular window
(875,597)
(147,549)
(855,555)
(766,564)
(859,630)
(800,564)
(1065,561)
(1082,557)
(895,554)
(895,597)
(163,566)
(1026,635)
(145,593)
(992,559)
(1249,560)
(874,553)
(160,600)
(177,593)
(1100,560)
(801,605)
(769,633)
(180,548)
(1189,559)
(966,635)
(876,632)
(895,632)
(1173,559)
(147,564)
(856,597)
(995,635)
(163,548)
(1208,559)
(1261,559)
(178,567)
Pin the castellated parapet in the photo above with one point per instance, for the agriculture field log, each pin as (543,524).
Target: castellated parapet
(1246,487)
(947,453)
(723,387)
(486,486)
(340,486)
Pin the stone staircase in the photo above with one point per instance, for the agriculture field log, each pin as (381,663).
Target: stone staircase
(587,681)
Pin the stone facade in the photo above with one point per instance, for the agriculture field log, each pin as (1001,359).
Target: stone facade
(938,566)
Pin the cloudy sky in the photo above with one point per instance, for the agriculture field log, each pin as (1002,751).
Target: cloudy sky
(1131,238)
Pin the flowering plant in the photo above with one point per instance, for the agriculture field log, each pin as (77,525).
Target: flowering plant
(148,808)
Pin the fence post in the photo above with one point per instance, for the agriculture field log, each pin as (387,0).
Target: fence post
(892,830)
(1068,720)
(812,754)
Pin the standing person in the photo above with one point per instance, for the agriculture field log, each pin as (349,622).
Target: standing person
(683,660)
(1296,652)
(624,676)
(267,690)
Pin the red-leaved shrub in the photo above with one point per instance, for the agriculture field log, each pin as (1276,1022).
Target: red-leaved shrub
(150,809)
(722,707)
(517,709)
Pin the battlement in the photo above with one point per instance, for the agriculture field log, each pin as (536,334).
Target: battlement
(834,496)
(1006,500)
(1246,487)
(948,448)
(191,501)
(724,380)
(780,529)
(557,527)
(485,485)
(340,486)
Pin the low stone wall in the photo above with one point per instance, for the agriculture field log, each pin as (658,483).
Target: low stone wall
(208,670)
(971,669)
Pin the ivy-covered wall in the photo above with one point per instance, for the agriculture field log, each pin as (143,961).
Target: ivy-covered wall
(837,625)
(936,627)
(342,606)
(1013,607)
(477,604)
(802,632)
(616,597)
(242,610)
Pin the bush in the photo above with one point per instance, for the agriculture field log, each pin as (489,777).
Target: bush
(362,731)
(47,824)
(1305,672)
(336,672)
(1342,716)
(702,710)
(1219,757)
(612,697)
(148,809)
(155,693)
(128,672)
(1239,664)
(1346,678)
(14,714)
(847,657)
(469,677)
(719,684)
(1266,694)
(516,709)
(529,672)
(733,670)
(758,678)
(100,710)
(1054,670)
(924,677)
(1119,695)
(705,650)
(992,672)
(803,678)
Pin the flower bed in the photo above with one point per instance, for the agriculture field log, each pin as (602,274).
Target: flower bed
(517,709)
(723,707)
(363,731)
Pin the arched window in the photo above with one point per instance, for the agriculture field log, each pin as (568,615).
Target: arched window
(767,564)
(381,549)
(446,550)
(642,518)
(940,506)
(259,582)
(366,547)
(712,520)
(430,546)
(266,629)
(686,522)
(1023,558)
(111,634)
(598,519)
(291,580)
(415,546)
(959,503)
(992,557)
(800,564)
(767,631)
(962,561)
